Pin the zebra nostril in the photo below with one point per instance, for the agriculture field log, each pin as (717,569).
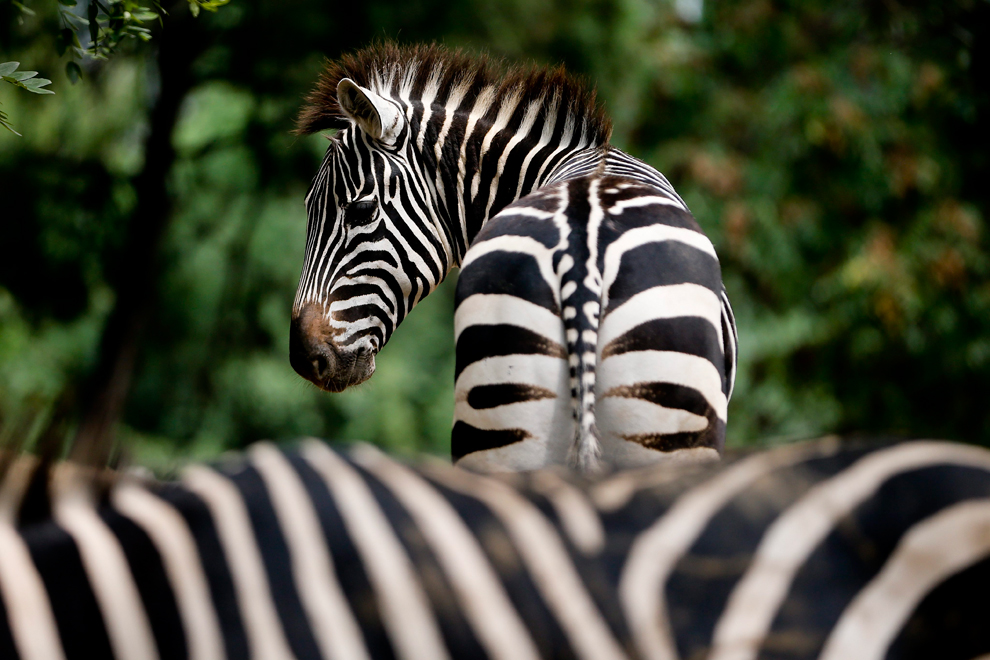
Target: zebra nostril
(321,366)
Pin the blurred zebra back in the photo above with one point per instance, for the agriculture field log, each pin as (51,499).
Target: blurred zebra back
(812,550)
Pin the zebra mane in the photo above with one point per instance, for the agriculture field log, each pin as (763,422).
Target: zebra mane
(405,71)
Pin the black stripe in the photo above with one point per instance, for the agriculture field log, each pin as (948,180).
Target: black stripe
(509,224)
(277,560)
(156,591)
(348,564)
(7,647)
(350,291)
(478,342)
(511,273)
(80,623)
(855,552)
(660,264)
(951,622)
(492,396)
(458,634)
(213,559)
(691,335)
(525,597)
(699,587)
(465,439)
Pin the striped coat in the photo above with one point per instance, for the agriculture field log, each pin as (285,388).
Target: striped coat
(808,551)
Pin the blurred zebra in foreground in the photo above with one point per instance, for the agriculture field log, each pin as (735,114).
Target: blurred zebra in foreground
(593,326)
(816,550)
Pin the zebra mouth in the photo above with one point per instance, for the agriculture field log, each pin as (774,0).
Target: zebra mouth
(350,369)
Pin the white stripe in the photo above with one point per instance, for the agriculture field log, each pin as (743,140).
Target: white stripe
(171,536)
(798,531)
(106,567)
(405,609)
(29,612)
(546,559)
(690,371)
(330,617)
(662,302)
(498,308)
(639,202)
(486,604)
(546,134)
(928,553)
(656,551)
(523,132)
(578,517)
(266,639)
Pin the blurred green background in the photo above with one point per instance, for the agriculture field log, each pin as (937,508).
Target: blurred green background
(830,149)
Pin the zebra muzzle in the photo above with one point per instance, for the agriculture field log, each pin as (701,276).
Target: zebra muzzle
(315,357)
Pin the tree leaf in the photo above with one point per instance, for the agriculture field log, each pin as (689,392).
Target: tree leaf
(143,15)
(73,72)
(35,85)
(23,75)
(6,123)
(7,68)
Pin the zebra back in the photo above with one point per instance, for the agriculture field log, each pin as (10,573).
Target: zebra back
(815,550)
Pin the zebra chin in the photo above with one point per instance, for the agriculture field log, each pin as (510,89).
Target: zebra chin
(315,357)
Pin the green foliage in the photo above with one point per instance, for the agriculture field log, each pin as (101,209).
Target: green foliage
(23,79)
(830,150)
(107,23)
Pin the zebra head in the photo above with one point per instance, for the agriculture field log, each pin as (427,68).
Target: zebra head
(371,249)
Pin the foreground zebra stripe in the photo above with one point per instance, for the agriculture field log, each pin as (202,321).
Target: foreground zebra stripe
(793,536)
(330,617)
(104,560)
(485,602)
(254,596)
(29,611)
(405,608)
(169,533)
(929,553)
(548,561)
(814,551)
(655,553)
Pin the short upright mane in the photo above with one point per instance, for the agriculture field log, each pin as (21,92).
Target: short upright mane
(393,70)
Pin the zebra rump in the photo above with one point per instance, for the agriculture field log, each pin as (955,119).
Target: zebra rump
(814,550)
(606,289)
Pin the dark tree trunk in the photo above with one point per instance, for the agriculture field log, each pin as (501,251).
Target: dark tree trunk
(134,273)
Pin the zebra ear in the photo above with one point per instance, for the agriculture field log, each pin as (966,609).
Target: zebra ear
(374,114)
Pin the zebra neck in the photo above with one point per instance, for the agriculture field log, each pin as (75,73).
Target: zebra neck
(479,175)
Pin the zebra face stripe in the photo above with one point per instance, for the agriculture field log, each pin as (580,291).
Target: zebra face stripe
(373,250)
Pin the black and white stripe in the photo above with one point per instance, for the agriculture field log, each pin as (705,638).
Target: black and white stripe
(605,289)
(432,144)
(808,551)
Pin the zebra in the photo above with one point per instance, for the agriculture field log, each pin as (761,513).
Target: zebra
(585,280)
(825,549)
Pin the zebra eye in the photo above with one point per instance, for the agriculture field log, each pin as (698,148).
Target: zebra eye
(361,212)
